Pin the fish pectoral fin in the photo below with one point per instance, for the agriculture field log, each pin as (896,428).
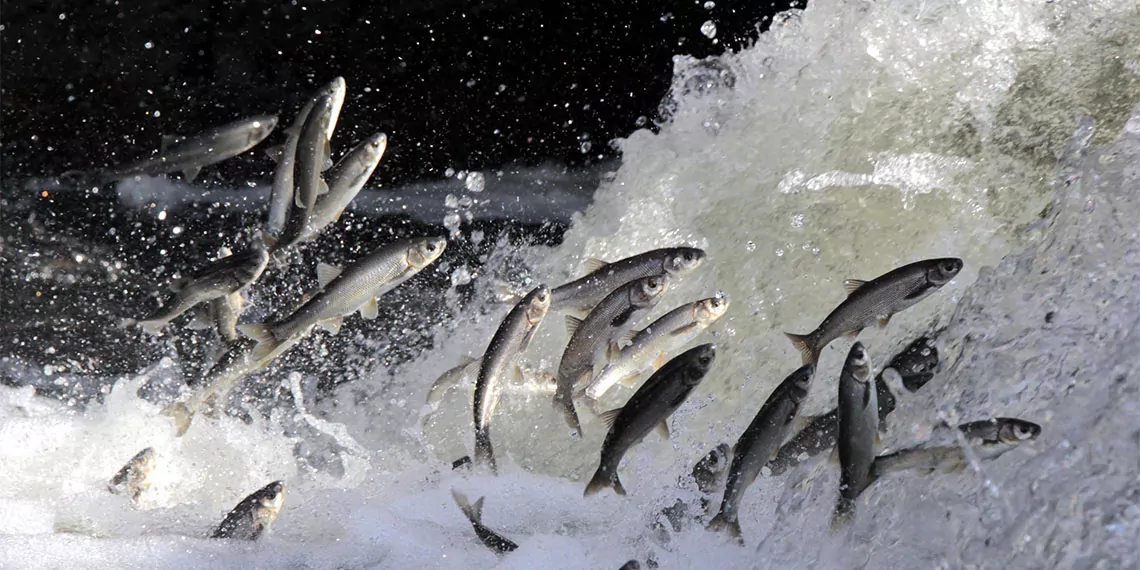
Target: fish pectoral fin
(338,214)
(630,381)
(592,265)
(275,152)
(685,329)
(853,333)
(189,174)
(517,375)
(326,155)
(626,338)
(833,458)
(572,324)
(663,428)
(326,273)
(369,309)
(660,361)
(322,187)
(608,418)
(613,352)
(852,285)
(332,325)
(884,320)
(477,510)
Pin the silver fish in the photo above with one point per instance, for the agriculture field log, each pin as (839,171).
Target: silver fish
(468,367)
(709,472)
(312,155)
(345,181)
(988,439)
(254,514)
(221,314)
(759,443)
(216,385)
(649,348)
(190,155)
(611,318)
(225,276)
(648,409)
(858,441)
(510,340)
(878,299)
(135,475)
(286,156)
(474,513)
(631,565)
(583,294)
(356,288)
(915,365)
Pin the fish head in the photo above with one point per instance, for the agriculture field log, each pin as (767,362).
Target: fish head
(707,471)
(425,251)
(941,271)
(1013,430)
(699,361)
(271,497)
(709,311)
(648,290)
(260,127)
(683,260)
(916,364)
(859,362)
(800,382)
(538,302)
(145,460)
(374,147)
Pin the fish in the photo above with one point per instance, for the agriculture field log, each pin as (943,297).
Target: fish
(988,439)
(649,348)
(467,367)
(313,152)
(759,443)
(915,365)
(474,512)
(610,319)
(221,313)
(583,294)
(631,565)
(345,181)
(226,276)
(648,409)
(134,477)
(858,437)
(501,358)
(286,154)
(190,155)
(709,472)
(356,288)
(254,514)
(234,365)
(878,299)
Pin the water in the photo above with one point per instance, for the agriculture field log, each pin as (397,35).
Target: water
(851,138)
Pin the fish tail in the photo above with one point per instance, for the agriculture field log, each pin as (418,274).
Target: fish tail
(844,513)
(484,453)
(720,523)
(269,238)
(602,479)
(803,343)
(181,414)
(153,326)
(465,506)
(266,341)
(564,402)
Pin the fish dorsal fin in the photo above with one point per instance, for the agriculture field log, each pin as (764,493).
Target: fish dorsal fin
(275,152)
(853,285)
(369,309)
(190,173)
(326,273)
(477,510)
(322,187)
(572,324)
(332,325)
(608,418)
(884,320)
(663,428)
(592,264)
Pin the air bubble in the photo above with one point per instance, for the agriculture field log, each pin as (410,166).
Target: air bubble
(451,221)
(475,182)
(451,201)
(798,220)
(750,246)
(709,29)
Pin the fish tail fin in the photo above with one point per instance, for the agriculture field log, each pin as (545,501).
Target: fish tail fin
(564,402)
(266,341)
(844,513)
(802,343)
(484,453)
(153,326)
(505,292)
(473,514)
(602,479)
(269,238)
(181,414)
(720,523)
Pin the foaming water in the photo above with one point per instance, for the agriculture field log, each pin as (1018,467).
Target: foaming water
(851,138)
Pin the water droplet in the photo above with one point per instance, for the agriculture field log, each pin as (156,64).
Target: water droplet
(451,221)
(710,5)
(475,182)
(477,237)
(797,220)
(451,201)
(709,29)
(62,16)
(641,120)
(162,215)
(79,258)
(779,252)
(750,246)
(584,147)
(465,201)
(461,276)
(149,45)
(449,172)
(502,88)
(176,230)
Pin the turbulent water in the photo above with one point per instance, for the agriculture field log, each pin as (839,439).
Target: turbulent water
(852,138)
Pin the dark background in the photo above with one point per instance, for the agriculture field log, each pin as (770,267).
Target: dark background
(80,86)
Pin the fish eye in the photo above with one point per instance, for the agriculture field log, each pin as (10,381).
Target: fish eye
(688,256)
(950,266)
(1022,431)
(704,360)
